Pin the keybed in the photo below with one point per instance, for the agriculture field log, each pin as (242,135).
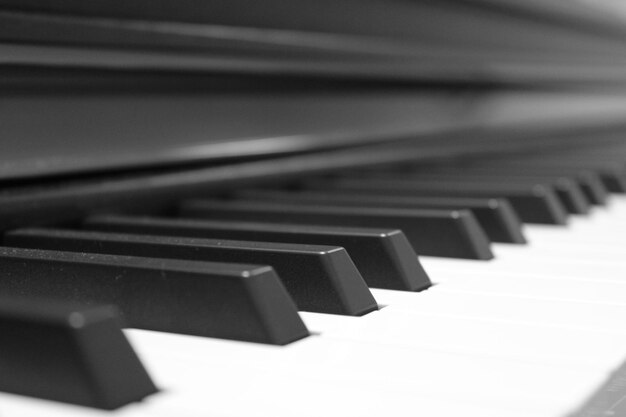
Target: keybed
(534,331)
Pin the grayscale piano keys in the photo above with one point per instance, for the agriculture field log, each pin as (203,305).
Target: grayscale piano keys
(567,190)
(533,203)
(234,301)
(452,233)
(251,184)
(589,181)
(496,216)
(68,353)
(613,175)
(384,257)
(318,278)
(504,338)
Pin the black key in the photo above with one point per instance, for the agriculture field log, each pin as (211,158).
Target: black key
(593,187)
(67,353)
(229,301)
(430,232)
(589,181)
(613,175)
(571,195)
(534,204)
(384,257)
(567,190)
(319,278)
(496,216)
(614,179)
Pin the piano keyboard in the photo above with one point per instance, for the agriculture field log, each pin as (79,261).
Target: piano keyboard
(312,207)
(535,331)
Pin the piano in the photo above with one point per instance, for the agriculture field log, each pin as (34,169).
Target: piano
(229,208)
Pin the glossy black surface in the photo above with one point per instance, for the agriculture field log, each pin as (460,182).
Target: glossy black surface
(384,257)
(567,190)
(533,203)
(319,278)
(222,300)
(496,216)
(430,232)
(588,180)
(69,353)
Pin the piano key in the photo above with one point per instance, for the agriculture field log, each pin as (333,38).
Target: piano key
(593,187)
(244,368)
(384,257)
(534,204)
(522,382)
(556,283)
(613,175)
(567,190)
(596,317)
(588,180)
(607,230)
(341,357)
(496,216)
(490,336)
(332,350)
(319,278)
(452,233)
(68,353)
(571,195)
(614,178)
(554,261)
(230,301)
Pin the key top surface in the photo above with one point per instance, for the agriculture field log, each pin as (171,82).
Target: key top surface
(384,257)
(319,278)
(534,204)
(588,180)
(434,232)
(222,300)
(613,175)
(68,353)
(496,216)
(567,190)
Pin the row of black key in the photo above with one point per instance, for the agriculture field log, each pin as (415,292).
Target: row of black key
(168,274)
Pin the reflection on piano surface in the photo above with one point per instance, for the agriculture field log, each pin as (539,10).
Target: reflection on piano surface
(312,208)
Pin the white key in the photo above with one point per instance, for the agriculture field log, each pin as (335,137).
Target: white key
(531,333)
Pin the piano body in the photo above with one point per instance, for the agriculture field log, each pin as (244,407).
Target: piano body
(249,183)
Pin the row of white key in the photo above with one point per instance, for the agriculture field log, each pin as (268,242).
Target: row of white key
(531,333)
